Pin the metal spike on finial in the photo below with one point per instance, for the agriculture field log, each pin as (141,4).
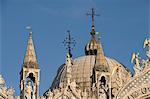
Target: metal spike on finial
(69,43)
(29,28)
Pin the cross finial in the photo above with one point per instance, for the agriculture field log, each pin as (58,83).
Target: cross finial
(69,42)
(92,14)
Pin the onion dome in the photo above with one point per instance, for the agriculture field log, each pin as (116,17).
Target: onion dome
(92,46)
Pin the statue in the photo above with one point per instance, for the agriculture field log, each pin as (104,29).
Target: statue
(21,85)
(42,97)
(103,88)
(93,87)
(34,91)
(102,92)
(69,63)
(119,77)
(73,85)
(140,65)
(17,97)
(29,90)
(49,95)
(69,59)
(84,94)
(10,92)
(135,59)
(147,45)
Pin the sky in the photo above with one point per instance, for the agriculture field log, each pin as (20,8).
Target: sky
(123,26)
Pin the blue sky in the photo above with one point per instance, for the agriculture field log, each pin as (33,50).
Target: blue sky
(123,25)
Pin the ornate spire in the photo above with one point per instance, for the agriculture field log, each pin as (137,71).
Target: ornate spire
(69,42)
(69,63)
(30,56)
(101,62)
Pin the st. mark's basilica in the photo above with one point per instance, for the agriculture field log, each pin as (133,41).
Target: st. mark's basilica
(92,76)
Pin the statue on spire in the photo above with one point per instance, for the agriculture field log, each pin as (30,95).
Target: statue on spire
(141,65)
(137,63)
(147,46)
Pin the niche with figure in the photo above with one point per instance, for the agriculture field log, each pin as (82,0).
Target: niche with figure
(103,88)
(30,86)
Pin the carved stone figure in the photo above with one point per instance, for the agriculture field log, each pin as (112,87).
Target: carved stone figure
(135,59)
(103,88)
(93,87)
(84,94)
(73,85)
(29,90)
(10,92)
(147,45)
(21,85)
(34,91)
(102,92)
(50,95)
(118,77)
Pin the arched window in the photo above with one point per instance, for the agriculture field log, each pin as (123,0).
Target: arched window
(103,80)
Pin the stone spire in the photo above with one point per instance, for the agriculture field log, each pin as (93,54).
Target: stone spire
(101,62)
(30,72)
(30,56)
(69,63)
(69,42)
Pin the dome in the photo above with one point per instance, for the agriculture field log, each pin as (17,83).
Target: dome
(82,70)
(91,47)
(2,81)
